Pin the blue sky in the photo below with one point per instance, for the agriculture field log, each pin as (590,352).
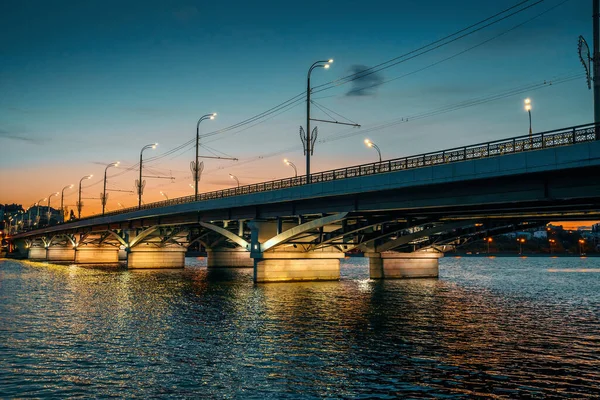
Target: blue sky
(84,84)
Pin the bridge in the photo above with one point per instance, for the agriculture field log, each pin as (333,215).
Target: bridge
(401,213)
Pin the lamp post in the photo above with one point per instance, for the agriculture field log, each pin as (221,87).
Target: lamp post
(291,164)
(309,147)
(551,241)
(488,240)
(104,196)
(37,217)
(581,246)
(49,213)
(236,179)
(521,241)
(79,203)
(373,145)
(29,215)
(62,197)
(528,109)
(164,194)
(140,183)
(195,166)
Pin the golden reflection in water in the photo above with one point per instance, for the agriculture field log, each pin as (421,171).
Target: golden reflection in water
(585,270)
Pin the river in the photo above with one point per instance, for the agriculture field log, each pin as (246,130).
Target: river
(487,328)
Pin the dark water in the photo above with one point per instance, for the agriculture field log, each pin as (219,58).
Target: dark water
(493,328)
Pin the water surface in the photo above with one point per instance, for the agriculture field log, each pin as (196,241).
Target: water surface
(488,327)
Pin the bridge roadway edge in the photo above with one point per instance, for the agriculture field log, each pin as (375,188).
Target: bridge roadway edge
(391,190)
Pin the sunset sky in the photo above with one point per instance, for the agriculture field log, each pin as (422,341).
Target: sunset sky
(84,84)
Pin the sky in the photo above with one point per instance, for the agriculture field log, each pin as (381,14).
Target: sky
(85,84)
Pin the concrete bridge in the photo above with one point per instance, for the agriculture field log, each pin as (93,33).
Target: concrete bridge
(401,213)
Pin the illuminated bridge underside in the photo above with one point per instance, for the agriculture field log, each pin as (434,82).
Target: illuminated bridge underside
(402,220)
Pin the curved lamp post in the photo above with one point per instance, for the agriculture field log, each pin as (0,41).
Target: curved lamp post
(195,164)
(104,196)
(49,213)
(319,64)
(164,194)
(37,217)
(79,203)
(528,109)
(373,145)
(62,197)
(140,183)
(291,164)
(236,179)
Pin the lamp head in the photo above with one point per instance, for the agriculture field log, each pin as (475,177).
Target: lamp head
(285,160)
(330,60)
(89,176)
(326,66)
(71,186)
(154,145)
(117,163)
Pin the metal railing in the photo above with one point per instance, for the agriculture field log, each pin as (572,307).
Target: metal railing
(519,144)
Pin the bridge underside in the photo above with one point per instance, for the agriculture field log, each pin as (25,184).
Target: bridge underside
(402,229)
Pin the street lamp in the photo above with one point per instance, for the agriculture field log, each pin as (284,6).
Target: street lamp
(521,241)
(373,145)
(37,217)
(236,179)
(140,184)
(291,164)
(164,194)
(528,109)
(79,203)
(49,213)
(62,197)
(104,196)
(488,240)
(551,241)
(195,166)
(309,145)
(581,246)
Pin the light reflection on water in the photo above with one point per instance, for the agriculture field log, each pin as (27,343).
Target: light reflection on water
(490,327)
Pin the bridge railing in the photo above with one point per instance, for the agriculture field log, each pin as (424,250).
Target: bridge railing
(519,144)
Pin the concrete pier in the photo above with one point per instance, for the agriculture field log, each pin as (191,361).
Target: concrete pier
(145,257)
(392,265)
(296,266)
(96,255)
(36,253)
(60,254)
(229,258)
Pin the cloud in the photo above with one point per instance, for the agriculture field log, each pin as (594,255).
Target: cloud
(364,85)
(4,134)
(185,14)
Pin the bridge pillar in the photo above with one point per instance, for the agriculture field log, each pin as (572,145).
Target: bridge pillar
(96,255)
(282,266)
(56,253)
(146,257)
(36,253)
(229,258)
(393,265)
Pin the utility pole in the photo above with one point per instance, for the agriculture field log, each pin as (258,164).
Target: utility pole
(596,67)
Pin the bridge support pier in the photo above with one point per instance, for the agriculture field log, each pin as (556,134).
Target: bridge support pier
(37,253)
(229,258)
(96,255)
(145,257)
(393,265)
(55,253)
(297,266)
